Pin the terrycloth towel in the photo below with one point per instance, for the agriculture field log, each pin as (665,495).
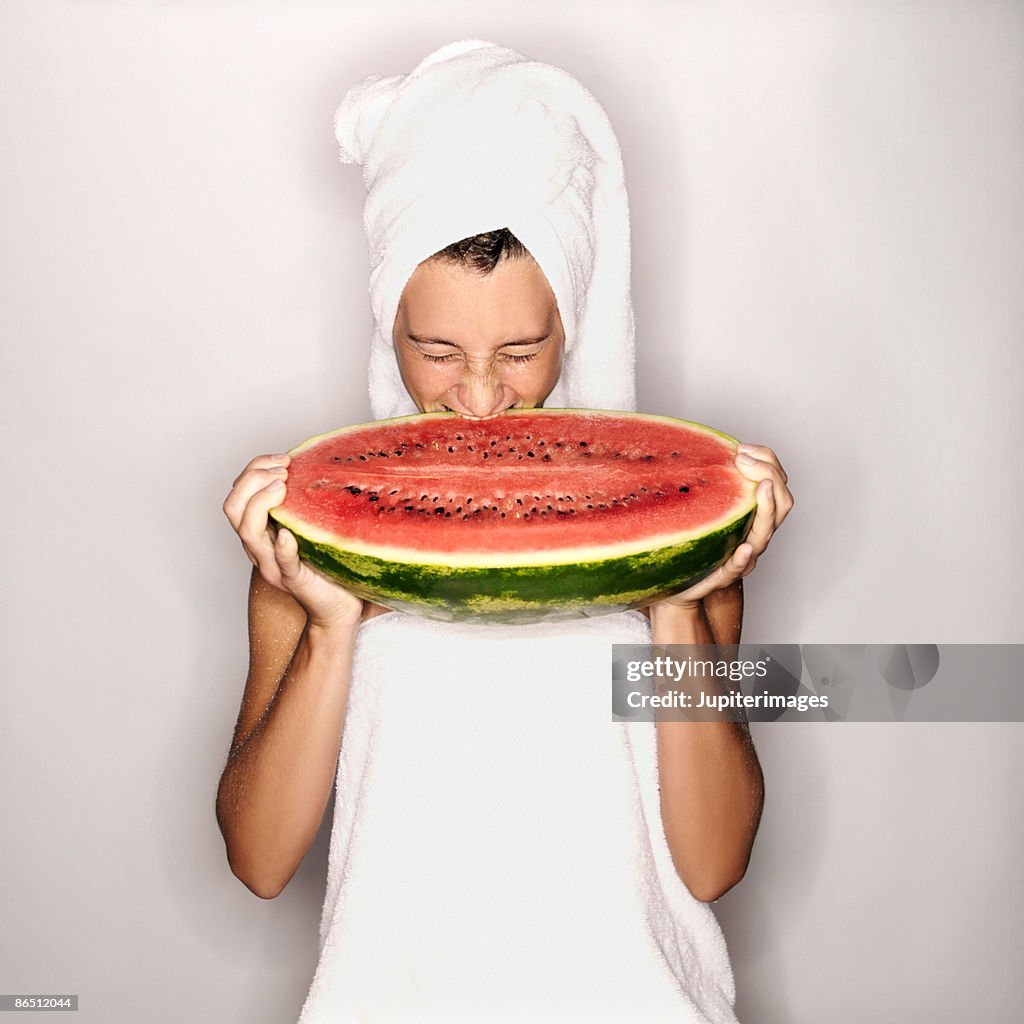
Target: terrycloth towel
(476,138)
(497,852)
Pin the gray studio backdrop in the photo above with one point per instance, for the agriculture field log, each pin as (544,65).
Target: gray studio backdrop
(827,216)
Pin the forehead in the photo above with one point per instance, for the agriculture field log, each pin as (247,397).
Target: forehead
(456,303)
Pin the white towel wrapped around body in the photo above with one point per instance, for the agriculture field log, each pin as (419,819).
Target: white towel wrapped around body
(478,138)
(497,852)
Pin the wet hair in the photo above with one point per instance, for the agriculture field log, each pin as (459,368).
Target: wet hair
(483,253)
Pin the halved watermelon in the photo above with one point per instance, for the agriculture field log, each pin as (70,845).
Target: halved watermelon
(536,514)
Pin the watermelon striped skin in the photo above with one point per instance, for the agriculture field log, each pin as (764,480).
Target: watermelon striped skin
(613,578)
(518,594)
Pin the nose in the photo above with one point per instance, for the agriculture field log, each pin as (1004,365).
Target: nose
(480,394)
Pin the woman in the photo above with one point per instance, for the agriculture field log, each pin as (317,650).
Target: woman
(501,849)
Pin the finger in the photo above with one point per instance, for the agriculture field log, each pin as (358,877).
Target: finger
(763,454)
(742,560)
(739,563)
(764,523)
(246,486)
(756,469)
(264,462)
(286,551)
(254,533)
(784,502)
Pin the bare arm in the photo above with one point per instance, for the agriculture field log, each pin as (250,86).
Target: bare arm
(302,631)
(280,769)
(712,788)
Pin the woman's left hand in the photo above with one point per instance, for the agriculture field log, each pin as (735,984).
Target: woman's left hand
(774,502)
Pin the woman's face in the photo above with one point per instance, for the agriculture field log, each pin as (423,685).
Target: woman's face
(478,344)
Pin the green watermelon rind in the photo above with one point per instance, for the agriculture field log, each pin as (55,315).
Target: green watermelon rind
(528,593)
(621,579)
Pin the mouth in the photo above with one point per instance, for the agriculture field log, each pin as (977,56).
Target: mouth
(468,416)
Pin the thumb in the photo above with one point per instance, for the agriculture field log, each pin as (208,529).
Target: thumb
(286,551)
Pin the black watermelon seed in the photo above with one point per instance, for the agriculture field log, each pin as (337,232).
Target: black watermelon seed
(438,511)
(502,515)
(675,455)
(469,501)
(459,509)
(374,497)
(409,508)
(583,444)
(393,492)
(354,490)
(450,448)
(530,455)
(683,489)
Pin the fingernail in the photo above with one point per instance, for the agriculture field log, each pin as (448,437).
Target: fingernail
(278,469)
(275,485)
(744,447)
(280,458)
(747,460)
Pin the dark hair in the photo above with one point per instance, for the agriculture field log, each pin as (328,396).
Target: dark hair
(483,253)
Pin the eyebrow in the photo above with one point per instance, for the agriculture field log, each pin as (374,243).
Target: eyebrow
(423,340)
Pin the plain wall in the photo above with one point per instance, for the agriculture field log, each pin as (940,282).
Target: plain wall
(827,214)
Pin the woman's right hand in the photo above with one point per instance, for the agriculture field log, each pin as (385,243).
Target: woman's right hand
(259,488)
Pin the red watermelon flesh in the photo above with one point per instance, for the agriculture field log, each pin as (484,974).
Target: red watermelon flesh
(515,484)
(535,514)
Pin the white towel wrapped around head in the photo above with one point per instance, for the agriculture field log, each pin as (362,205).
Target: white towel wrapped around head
(477,138)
